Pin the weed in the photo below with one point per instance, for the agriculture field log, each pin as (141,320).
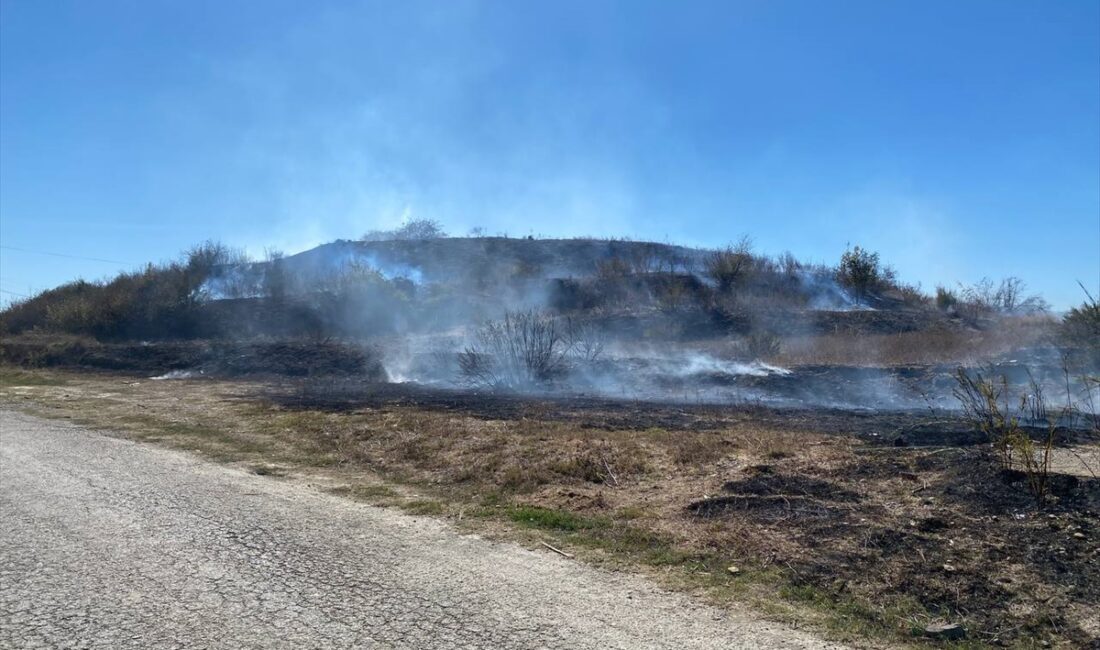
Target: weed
(986,405)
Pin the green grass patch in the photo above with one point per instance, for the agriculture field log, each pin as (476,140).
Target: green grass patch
(371,492)
(547,519)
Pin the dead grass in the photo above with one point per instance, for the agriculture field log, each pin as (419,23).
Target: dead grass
(823,528)
(952,345)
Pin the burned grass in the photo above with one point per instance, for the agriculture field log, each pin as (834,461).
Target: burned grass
(859,537)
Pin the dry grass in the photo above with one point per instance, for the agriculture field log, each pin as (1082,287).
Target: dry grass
(932,346)
(824,528)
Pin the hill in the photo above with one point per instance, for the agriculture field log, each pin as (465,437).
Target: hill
(418,296)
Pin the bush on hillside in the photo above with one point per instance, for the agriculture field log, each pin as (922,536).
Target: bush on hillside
(155,302)
(730,267)
(413,230)
(946,299)
(1081,324)
(862,272)
(1005,297)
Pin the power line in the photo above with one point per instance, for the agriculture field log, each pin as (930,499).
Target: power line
(14,293)
(74,257)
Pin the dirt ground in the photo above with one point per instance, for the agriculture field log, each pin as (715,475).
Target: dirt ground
(867,525)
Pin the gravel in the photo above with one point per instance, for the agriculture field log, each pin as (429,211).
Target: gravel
(106,543)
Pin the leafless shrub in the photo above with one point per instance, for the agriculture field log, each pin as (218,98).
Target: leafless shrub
(1005,297)
(584,341)
(762,345)
(526,350)
(986,405)
(1032,402)
(730,267)
(521,351)
(980,400)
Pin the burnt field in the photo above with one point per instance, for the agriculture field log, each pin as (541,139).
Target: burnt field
(867,524)
(883,426)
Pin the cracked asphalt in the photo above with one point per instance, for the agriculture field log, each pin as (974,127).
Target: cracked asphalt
(106,543)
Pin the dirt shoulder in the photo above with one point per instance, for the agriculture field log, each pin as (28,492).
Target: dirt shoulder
(858,539)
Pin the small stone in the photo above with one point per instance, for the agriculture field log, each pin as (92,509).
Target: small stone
(952,631)
(733,569)
(950,568)
(1079,535)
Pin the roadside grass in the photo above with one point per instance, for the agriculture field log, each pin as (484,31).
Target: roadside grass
(11,377)
(611,497)
(558,520)
(423,507)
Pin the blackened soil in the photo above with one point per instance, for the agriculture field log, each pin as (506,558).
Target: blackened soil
(897,428)
(294,358)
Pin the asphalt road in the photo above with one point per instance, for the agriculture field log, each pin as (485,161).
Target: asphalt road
(106,543)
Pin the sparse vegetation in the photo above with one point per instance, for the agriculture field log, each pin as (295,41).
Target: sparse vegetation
(988,405)
(416,229)
(1006,297)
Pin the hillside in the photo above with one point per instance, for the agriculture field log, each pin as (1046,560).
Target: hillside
(415,304)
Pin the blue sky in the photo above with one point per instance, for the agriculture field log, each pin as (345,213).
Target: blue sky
(959,139)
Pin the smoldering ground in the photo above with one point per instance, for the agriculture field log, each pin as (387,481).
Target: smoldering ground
(634,320)
(567,317)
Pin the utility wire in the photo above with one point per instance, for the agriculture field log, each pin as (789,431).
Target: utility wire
(74,257)
(14,293)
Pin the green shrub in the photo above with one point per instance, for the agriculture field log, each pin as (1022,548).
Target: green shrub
(862,272)
(154,302)
(413,230)
(946,299)
(1081,325)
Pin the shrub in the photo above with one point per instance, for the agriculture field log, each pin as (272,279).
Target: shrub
(1081,325)
(861,271)
(1006,297)
(526,350)
(986,405)
(413,230)
(730,267)
(762,345)
(275,283)
(155,302)
(946,299)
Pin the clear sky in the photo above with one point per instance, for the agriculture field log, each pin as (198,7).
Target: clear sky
(959,139)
